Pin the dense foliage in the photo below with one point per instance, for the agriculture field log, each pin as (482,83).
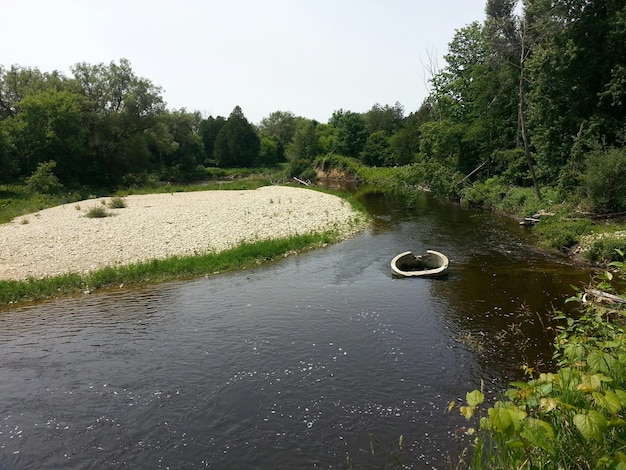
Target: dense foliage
(532,97)
(573,417)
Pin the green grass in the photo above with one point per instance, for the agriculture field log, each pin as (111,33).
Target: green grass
(117,203)
(561,232)
(16,201)
(97,212)
(177,267)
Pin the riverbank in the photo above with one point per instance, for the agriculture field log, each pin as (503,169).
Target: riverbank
(164,236)
(63,239)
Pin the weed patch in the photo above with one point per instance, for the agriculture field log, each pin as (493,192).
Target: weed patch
(97,212)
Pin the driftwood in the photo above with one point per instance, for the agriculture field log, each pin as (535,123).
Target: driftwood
(601,296)
(473,171)
(306,183)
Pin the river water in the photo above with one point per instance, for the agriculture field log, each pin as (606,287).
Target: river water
(320,360)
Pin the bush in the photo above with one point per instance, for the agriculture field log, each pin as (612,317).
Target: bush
(561,234)
(303,169)
(43,180)
(512,166)
(117,203)
(604,180)
(432,175)
(607,248)
(97,212)
(572,417)
(346,166)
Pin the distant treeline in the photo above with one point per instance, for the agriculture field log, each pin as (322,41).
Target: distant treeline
(533,96)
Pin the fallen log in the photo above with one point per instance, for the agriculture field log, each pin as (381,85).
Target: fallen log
(602,296)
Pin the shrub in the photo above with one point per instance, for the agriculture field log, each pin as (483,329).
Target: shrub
(487,194)
(117,203)
(572,417)
(302,168)
(512,166)
(431,174)
(43,180)
(97,212)
(604,180)
(607,248)
(345,167)
(562,234)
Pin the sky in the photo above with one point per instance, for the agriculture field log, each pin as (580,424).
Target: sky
(309,57)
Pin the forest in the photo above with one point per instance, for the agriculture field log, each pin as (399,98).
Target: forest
(532,97)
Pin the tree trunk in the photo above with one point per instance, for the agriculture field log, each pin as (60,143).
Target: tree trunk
(520,110)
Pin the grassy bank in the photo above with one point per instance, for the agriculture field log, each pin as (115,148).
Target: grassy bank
(242,257)
(17,200)
(566,222)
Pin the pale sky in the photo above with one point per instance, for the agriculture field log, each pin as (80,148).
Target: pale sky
(310,57)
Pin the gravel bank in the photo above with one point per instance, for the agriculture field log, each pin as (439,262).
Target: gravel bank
(61,239)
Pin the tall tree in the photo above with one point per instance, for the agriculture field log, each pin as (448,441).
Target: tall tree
(511,39)
(237,143)
(470,104)
(120,108)
(351,132)
(51,127)
(305,144)
(209,128)
(8,165)
(281,124)
(384,118)
(578,78)
(18,82)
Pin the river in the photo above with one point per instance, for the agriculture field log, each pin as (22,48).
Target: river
(320,360)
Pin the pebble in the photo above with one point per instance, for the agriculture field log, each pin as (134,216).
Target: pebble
(57,240)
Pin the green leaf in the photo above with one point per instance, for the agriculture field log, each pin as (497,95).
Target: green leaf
(540,434)
(599,361)
(621,394)
(591,383)
(515,444)
(475,398)
(591,425)
(613,402)
(506,420)
(619,461)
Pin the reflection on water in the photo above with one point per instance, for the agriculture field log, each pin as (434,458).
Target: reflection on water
(291,365)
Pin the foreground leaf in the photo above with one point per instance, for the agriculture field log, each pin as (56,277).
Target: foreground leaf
(591,425)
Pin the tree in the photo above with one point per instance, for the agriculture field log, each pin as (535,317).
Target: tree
(512,41)
(377,150)
(43,180)
(271,150)
(18,82)
(305,144)
(281,124)
(183,149)
(237,143)
(351,132)
(384,118)
(405,143)
(470,104)
(120,108)
(8,164)
(576,73)
(209,128)
(51,127)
